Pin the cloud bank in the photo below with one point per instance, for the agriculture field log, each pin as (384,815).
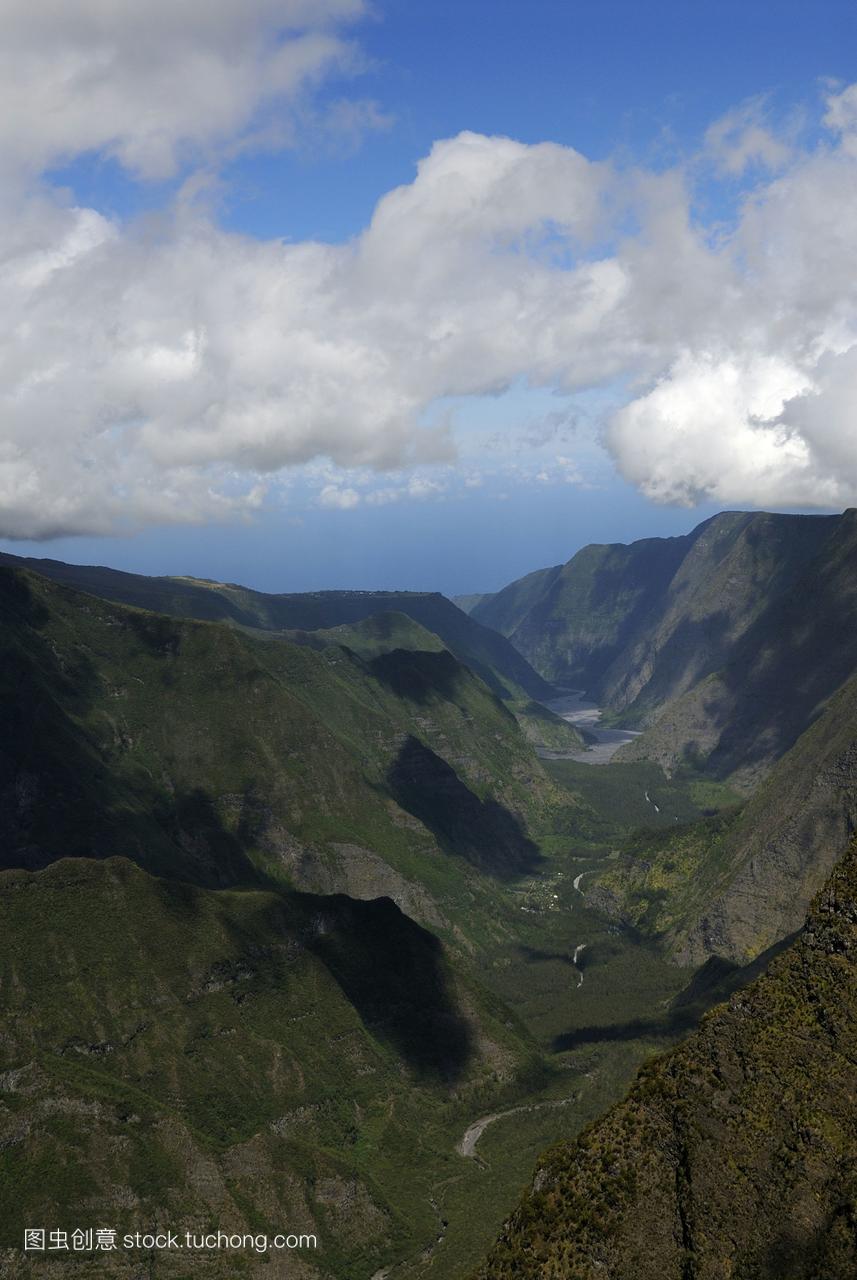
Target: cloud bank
(166,369)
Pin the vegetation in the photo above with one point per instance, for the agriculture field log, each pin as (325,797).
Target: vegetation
(213,1010)
(289,902)
(733,1154)
(487,654)
(721,645)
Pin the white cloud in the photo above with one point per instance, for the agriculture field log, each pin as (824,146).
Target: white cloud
(709,429)
(160,371)
(841,115)
(741,138)
(151,83)
(338,499)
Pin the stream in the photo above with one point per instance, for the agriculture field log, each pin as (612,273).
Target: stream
(467,1145)
(577,710)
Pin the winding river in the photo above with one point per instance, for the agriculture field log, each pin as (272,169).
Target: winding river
(585,715)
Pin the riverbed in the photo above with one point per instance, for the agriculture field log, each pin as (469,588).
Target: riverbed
(585,715)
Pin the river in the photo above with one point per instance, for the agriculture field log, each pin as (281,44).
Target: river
(585,715)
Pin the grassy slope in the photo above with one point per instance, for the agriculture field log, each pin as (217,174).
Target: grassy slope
(737,885)
(732,1155)
(249,1059)
(722,644)
(203,753)
(488,654)
(384,632)
(373,636)
(504,610)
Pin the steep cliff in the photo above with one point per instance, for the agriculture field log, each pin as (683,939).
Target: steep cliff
(734,1155)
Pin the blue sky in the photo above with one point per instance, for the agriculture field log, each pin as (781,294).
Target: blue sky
(236,354)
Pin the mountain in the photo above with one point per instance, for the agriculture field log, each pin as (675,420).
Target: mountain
(469,602)
(243,885)
(215,753)
(722,644)
(733,1155)
(251,1061)
(489,655)
(736,885)
(796,651)
(382,633)
(279,924)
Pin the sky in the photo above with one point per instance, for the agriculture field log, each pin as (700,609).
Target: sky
(328,293)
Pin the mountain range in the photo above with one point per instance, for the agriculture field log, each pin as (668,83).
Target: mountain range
(733,1155)
(299,891)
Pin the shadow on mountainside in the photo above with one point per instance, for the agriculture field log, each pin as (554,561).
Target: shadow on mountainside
(59,794)
(795,655)
(695,649)
(618,589)
(420,675)
(482,831)
(394,974)
(711,984)
(60,798)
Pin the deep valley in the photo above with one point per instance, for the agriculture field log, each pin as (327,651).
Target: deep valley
(332,913)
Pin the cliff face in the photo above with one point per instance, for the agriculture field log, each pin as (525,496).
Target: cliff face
(639,625)
(786,843)
(734,1155)
(794,651)
(737,885)
(722,645)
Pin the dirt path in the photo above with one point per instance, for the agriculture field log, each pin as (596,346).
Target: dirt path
(472,1134)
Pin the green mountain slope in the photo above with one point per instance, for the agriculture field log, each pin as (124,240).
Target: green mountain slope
(722,644)
(735,887)
(381,633)
(637,625)
(733,1155)
(489,655)
(378,634)
(199,1024)
(211,754)
(247,1061)
(797,650)
(280,923)
(506,609)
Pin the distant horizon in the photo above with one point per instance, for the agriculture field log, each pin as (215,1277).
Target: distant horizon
(121,564)
(372,292)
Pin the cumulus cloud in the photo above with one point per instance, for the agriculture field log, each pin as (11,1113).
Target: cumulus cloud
(338,499)
(164,370)
(742,138)
(152,83)
(173,356)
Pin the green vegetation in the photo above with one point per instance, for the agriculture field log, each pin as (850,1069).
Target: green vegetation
(488,654)
(735,885)
(733,1154)
(227,1055)
(290,903)
(639,795)
(213,1011)
(721,645)
(544,729)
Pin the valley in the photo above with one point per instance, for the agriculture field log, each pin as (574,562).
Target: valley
(344,908)
(601,744)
